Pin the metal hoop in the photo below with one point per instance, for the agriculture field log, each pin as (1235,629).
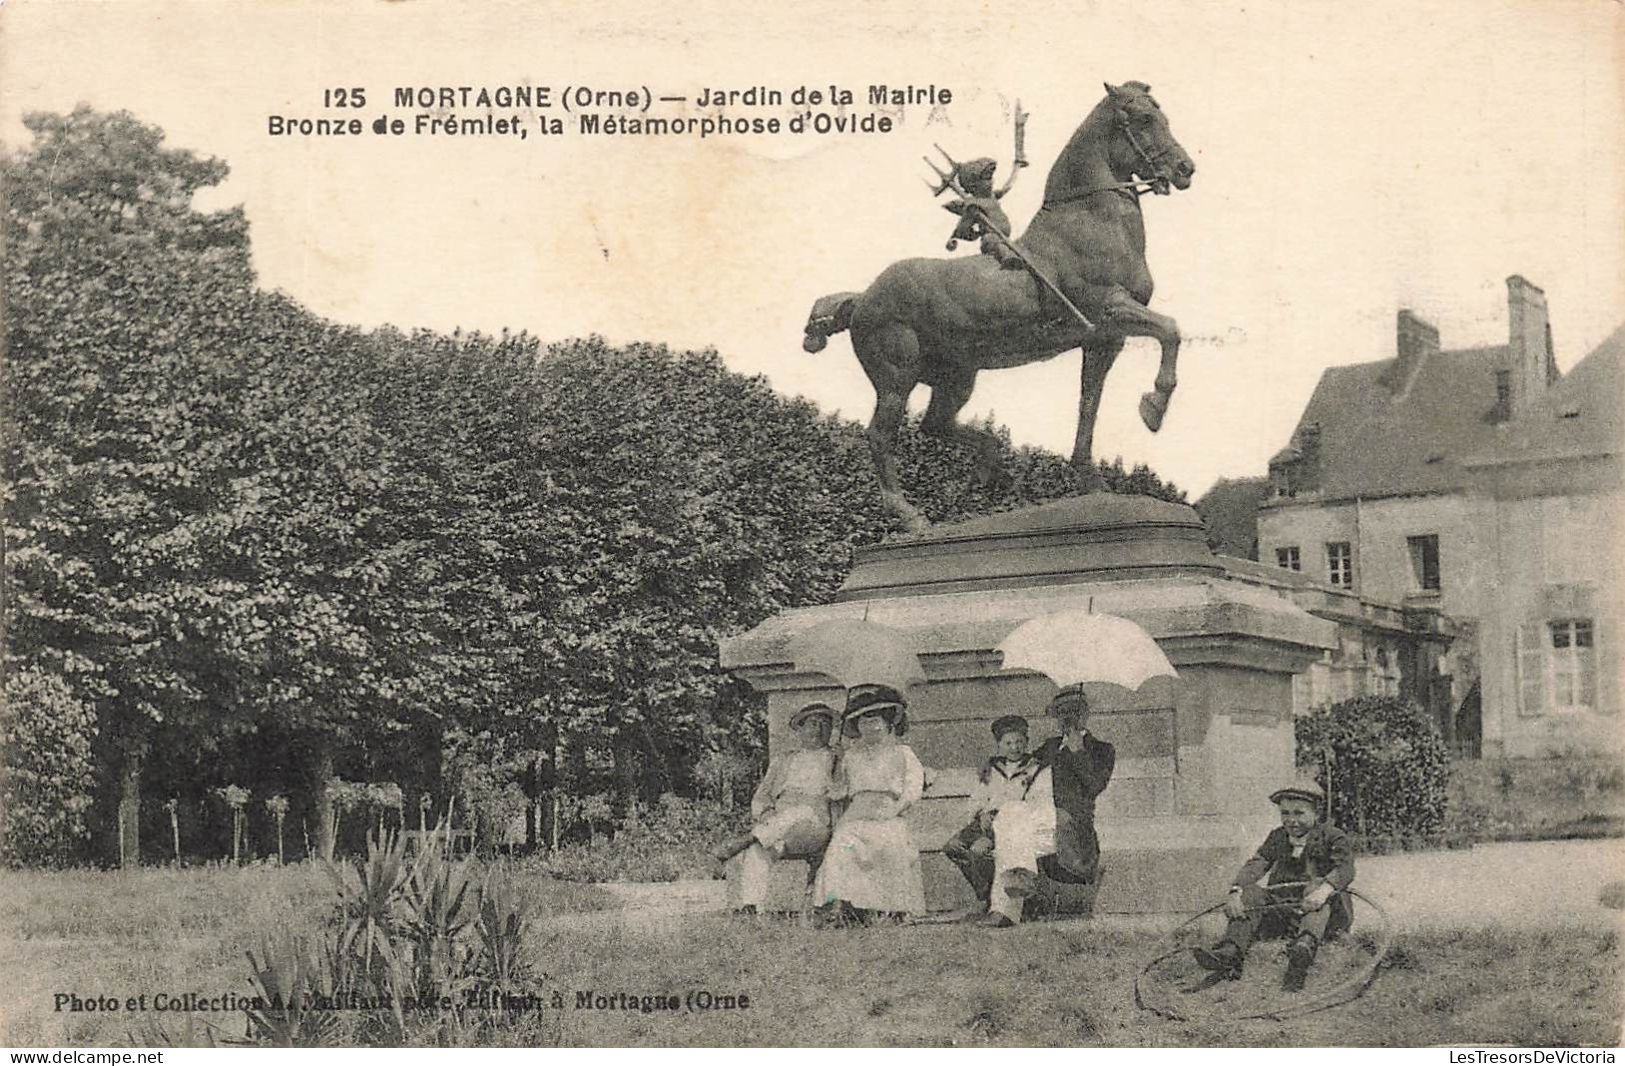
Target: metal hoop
(1146,997)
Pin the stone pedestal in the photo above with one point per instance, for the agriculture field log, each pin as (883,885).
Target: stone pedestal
(1196,756)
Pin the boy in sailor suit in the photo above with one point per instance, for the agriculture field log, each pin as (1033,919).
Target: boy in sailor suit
(1005,778)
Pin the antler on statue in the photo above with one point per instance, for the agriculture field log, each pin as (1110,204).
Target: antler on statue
(946,179)
(1021,152)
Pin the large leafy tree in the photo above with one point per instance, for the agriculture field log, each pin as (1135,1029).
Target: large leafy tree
(190,482)
(118,293)
(228,522)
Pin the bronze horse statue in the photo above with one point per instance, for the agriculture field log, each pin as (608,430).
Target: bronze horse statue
(939,321)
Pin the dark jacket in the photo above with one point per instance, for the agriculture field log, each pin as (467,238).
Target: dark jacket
(1078,777)
(1326,850)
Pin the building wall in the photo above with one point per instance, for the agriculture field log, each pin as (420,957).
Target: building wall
(1308,526)
(1379,532)
(1559,560)
(1509,558)
(1387,574)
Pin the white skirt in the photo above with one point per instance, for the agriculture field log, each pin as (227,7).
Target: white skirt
(872,864)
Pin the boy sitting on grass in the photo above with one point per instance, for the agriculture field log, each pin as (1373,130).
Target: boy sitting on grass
(1293,887)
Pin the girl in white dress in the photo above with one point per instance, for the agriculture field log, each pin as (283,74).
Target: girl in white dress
(872,866)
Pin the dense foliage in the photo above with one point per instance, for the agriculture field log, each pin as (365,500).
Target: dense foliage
(45,735)
(668,841)
(267,550)
(1383,765)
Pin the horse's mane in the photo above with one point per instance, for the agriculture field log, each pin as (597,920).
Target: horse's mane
(1060,179)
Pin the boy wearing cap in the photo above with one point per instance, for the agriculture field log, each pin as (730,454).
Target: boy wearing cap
(1293,887)
(1052,830)
(1004,779)
(790,809)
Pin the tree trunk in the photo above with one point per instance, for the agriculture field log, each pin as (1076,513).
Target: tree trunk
(577,755)
(542,788)
(325,827)
(532,787)
(547,794)
(625,757)
(652,779)
(129,810)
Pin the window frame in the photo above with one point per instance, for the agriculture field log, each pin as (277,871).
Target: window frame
(1566,689)
(1418,546)
(1340,550)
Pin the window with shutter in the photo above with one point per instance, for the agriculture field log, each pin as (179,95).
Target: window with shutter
(1531,659)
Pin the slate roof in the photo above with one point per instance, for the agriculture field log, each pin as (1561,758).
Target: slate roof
(1374,442)
(1583,413)
(1230,511)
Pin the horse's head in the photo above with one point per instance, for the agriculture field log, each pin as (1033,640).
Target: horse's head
(1143,145)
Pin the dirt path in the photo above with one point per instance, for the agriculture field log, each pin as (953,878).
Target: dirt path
(1537,884)
(1540,883)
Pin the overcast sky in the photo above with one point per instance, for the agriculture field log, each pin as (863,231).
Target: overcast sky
(1351,159)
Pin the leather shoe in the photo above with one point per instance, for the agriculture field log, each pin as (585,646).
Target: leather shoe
(1020,883)
(1224,958)
(1298,958)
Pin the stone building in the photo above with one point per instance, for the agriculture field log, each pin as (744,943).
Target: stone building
(1448,480)
(1380,649)
(1548,492)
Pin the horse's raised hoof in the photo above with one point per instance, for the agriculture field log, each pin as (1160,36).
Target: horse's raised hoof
(1153,405)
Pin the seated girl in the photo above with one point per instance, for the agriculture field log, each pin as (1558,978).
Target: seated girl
(871,867)
(790,810)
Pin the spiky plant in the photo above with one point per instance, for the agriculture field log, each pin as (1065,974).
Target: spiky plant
(290,979)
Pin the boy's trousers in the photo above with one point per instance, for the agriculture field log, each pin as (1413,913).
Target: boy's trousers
(978,869)
(1262,922)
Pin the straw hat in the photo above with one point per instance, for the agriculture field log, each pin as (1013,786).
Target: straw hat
(878,699)
(812,710)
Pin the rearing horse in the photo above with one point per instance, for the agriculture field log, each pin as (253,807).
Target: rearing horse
(939,321)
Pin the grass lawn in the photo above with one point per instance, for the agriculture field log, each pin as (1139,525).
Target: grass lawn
(186,930)
(952,985)
(161,929)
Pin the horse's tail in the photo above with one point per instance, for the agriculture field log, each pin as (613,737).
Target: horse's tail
(830,315)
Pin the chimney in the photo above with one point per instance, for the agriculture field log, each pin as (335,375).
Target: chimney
(1308,443)
(1529,342)
(1415,340)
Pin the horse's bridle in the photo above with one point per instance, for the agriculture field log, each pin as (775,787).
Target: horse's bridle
(1153,161)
